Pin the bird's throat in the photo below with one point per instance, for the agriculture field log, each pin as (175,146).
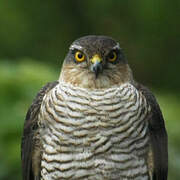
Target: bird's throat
(87,79)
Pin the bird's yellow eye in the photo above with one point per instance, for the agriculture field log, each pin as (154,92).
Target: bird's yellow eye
(79,56)
(112,56)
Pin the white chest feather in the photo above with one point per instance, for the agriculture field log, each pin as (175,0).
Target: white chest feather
(100,134)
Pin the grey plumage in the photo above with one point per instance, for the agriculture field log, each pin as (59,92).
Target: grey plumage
(109,130)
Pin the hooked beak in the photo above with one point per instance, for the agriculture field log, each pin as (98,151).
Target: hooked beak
(96,66)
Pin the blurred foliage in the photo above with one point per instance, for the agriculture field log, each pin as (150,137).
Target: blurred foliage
(148,31)
(19,82)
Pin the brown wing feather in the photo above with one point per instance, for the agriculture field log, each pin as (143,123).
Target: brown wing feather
(30,146)
(158,136)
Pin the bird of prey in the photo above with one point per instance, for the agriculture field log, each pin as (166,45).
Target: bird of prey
(95,121)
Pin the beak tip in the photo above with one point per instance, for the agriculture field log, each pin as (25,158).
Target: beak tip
(96,68)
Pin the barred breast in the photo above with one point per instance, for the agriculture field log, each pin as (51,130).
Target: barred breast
(99,134)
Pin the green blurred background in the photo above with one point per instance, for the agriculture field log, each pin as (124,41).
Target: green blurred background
(35,36)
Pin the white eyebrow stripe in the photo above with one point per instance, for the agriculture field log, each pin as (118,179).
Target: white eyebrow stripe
(116,46)
(75,46)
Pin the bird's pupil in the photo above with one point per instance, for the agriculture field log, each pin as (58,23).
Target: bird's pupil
(80,56)
(111,56)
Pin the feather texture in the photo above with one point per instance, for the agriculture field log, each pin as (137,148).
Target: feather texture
(30,140)
(158,136)
(100,134)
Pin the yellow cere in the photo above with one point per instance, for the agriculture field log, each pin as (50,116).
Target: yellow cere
(79,56)
(96,58)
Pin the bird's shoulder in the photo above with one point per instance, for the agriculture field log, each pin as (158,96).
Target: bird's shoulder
(33,111)
(157,120)
(30,139)
(158,135)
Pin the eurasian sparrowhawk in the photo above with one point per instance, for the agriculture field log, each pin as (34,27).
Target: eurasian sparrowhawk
(95,122)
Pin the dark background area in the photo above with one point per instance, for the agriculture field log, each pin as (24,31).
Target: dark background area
(34,39)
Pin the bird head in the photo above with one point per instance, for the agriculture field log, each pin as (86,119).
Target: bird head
(95,62)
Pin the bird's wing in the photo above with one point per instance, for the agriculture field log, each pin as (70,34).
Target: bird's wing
(158,136)
(30,146)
